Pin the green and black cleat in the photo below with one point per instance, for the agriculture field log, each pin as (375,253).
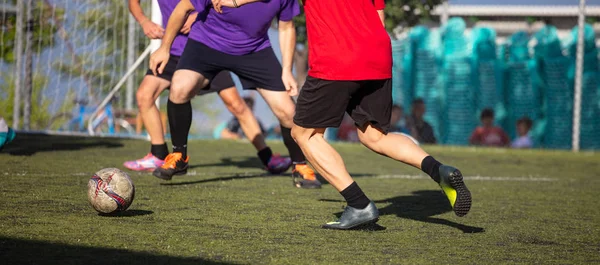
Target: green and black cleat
(451,182)
(354,218)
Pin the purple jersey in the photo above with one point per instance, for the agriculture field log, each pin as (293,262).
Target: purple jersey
(242,30)
(166,8)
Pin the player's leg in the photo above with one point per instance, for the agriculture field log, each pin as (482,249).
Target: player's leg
(371,108)
(322,104)
(194,70)
(262,70)
(148,91)
(235,104)
(179,111)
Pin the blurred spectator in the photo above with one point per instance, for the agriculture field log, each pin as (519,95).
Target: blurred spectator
(487,134)
(523,140)
(347,130)
(233,129)
(6,133)
(419,128)
(274,133)
(398,121)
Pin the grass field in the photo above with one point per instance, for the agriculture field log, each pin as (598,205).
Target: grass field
(528,207)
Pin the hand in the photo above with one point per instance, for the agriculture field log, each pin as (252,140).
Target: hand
(152,30)
(158,60)
(188,23)
(291,86)
(219,4)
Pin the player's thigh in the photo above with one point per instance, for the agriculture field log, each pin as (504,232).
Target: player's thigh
(280,103)
(233,101)
(372,104)
(185,82)
(322,103)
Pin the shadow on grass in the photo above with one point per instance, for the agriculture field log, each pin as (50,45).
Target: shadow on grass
(421,206)
(240,162)
(253,163)
(29,144)
(224,178)
(128,213)
(19,251)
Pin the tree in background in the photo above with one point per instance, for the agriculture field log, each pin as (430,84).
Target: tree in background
(43,37)
(43,30)
(406,13)
(39,112)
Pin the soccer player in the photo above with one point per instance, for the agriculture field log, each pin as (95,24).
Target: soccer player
(350,70)
(236,40)
(152,86)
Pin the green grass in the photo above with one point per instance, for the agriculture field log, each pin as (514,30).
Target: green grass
(540,207)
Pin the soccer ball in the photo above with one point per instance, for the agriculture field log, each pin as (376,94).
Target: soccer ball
(110,190)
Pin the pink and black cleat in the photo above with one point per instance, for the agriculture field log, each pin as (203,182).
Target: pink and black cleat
(147,163)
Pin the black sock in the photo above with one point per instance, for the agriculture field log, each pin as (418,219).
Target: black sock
(432,167)
(159,150)
(181,149)
(180,121)
(355,197)
(265,155)
(295,152)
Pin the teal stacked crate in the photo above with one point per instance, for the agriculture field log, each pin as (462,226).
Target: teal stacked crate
(487,74)
(459,110)
(590,88)
(589,137)
(401,59)
(424,74)
(558,95)
(522,94)
(552,68)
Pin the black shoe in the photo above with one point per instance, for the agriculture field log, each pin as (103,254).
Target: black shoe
(352,218)
(174,165)
(451,182)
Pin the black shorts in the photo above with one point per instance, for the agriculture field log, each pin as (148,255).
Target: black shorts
(221,81)
(260,69)
(322,103)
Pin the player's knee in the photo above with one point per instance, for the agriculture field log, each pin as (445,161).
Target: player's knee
(300,134)
(237,108)
(370,137)
(145,99)
(180,92)
(284,115)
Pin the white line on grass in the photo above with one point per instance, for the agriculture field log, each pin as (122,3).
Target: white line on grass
(264,174)
(483,178)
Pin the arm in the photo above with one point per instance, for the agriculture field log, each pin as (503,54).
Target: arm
(231,130)
(474,139)
(381,16)
(226,134)
(151,29)
(380,5)
(176,21)
(287,43)
(159,59)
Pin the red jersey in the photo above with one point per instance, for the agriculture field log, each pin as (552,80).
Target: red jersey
(346,40)
(492,136)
